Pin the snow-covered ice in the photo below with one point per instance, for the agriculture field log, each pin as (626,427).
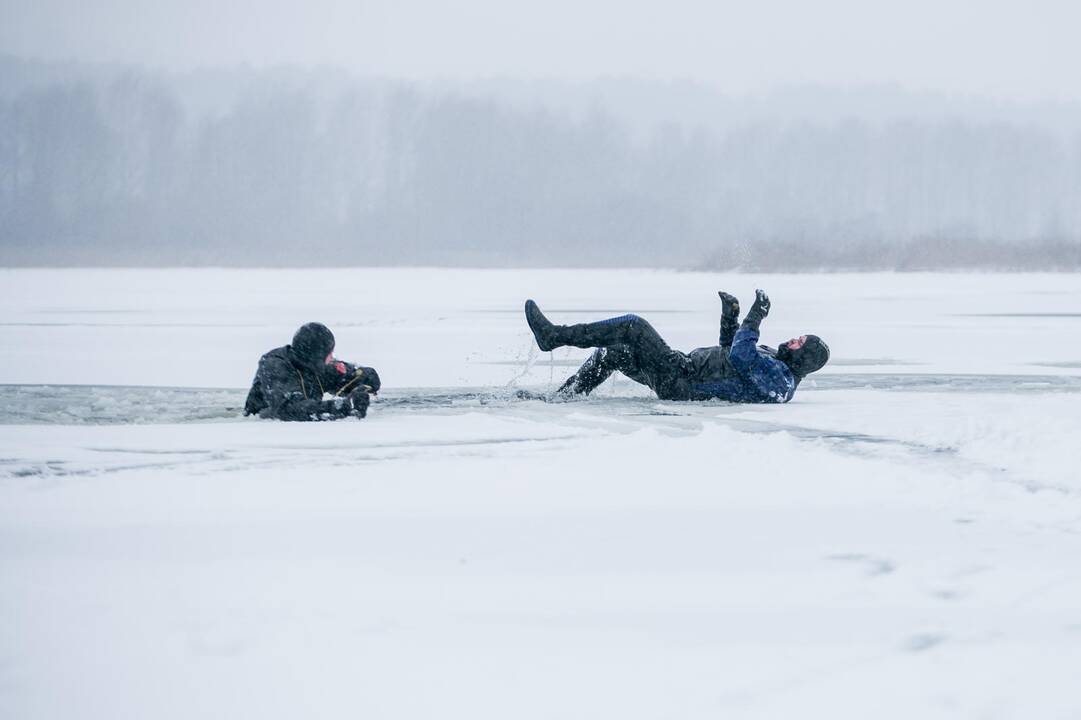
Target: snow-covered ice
(899,541)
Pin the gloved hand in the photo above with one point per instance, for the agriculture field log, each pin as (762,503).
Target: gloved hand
(359,400)
(729,304)
(760,309)
(369,377)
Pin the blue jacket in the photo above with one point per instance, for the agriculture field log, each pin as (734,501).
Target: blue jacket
(744,373)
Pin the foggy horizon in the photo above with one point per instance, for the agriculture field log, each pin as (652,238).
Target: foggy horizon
(778,136)
(118,165)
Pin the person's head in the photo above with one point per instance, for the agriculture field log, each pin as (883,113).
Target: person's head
(804,355)
(313,344)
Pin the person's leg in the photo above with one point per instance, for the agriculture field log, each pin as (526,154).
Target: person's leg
(597,368)
(665,374)
(644,356)
(589,376)
(630,330)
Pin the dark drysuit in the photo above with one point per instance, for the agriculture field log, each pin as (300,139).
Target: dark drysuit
(737,370)
(286,388)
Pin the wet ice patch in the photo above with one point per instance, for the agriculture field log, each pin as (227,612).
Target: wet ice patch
(115,405)
(110,404)
(868,362)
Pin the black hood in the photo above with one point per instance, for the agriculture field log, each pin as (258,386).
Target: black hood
(812,356)
(311,344)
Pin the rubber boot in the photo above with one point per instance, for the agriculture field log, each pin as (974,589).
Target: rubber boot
(543,330)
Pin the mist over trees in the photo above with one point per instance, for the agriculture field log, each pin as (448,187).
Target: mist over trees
(108,165)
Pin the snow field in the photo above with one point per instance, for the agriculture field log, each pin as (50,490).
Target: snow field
(858,552)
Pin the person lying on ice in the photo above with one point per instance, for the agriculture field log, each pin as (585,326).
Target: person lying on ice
(737,370)
(292,380)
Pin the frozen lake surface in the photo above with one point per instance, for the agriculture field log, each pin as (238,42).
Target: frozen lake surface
(899,541)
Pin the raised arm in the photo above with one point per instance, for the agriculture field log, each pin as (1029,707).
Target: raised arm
(729,318)
(745,347)
(771,376)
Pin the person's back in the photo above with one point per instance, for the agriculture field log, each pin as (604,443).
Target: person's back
(710,363)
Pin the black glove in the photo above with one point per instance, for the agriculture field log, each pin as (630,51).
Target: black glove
(369,377)
(760,309)
(359,400)
(729,304)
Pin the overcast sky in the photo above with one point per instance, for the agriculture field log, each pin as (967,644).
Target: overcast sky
(1013,50)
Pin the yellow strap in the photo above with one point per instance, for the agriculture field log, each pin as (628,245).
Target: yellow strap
(304,389)
(356,376)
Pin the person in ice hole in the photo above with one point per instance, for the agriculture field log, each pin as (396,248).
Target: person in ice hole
(737,370)
(292,381)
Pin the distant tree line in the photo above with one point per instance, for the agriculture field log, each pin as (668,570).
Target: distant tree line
(124,167)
